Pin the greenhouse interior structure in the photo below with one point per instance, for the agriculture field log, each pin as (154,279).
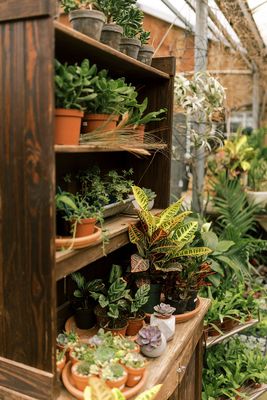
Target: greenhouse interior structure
(133,200)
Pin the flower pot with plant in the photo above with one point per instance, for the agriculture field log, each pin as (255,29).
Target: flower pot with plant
(135,365)
(131,20)
(84,305)
(113,301)
(76,210)
(112,32)
(66,341)
(103,111)
(257,179)
(136,314)
(164,319)
(115,376)
(146,51)
(85,17)
(79,352)
(163,242)
(81,371)
(61,360)
(151,341)
(72,88)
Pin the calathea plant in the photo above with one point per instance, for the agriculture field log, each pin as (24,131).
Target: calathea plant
(138,300)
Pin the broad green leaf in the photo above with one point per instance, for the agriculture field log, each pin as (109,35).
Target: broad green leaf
(173,224)
(140,197)
(194,252)
(210,240)
(170,212)
(224,245)
(135,234)
(186,232)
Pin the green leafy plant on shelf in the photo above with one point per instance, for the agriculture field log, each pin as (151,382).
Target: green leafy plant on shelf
(138,117)
(84,289)
(114,8)
(74,84)
(257,177)
(144,37)
(71,5)
(131,20)
(138,300)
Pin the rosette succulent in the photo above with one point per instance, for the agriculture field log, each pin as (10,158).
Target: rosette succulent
(134,360)
(163,310)
(150,337)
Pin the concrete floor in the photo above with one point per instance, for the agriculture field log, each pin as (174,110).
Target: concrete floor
(263,397)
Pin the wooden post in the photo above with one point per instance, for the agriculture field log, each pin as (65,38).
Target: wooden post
(201,48)
(256,99)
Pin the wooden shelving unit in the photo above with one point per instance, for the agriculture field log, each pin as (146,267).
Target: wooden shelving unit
(256,393)
(211,341)
(106,149)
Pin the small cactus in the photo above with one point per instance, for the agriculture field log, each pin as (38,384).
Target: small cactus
(163,310)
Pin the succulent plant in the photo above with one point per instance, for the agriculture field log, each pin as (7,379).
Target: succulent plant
(113,372)
(134,360)
(85,368)
(66,339)
(149,336)
(163,310)
(60,355)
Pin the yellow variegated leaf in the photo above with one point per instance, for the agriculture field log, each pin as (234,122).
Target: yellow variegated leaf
(148,218)
(186,232)
(194,252)
(135,234)
(140,197)
(149,394)
(170,212)
(173,223)
(99,390)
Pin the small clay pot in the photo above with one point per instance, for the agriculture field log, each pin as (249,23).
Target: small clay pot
(134,325)
(134,375)
(89,22)
(103,122)
(119,383)
(68,126)
(116,331)
(80,381)
(130,46)
(61,365)
(111,35)
(145,54)
(85,227)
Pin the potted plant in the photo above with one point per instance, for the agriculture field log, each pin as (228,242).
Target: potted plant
(84,18)
(151,341)
(163,244)
(66,341)
(78,213)
(163,318)
(79,352)
(103,111)
(72,88)
(136,314)
(146,51)
(131,20)
(61,360)
(115,376)
(81,371)
(135,365)
(112,32)
(84,307)
(113,303)
(257,179)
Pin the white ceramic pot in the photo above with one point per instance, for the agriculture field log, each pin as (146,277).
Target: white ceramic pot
(157,351)
(259,198)
(166,325)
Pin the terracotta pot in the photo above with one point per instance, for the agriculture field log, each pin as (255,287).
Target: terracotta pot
(86,227)
(134,375)
(88,22)
(141,132)
(80,381)
(119,383)
(115,331)
(67,126)
(111,35)
(61,364)
(134,325)
(103,122)
(72,358)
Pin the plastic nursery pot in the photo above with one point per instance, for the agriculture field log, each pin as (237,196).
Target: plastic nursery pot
(191,302)
(103,122)
(85,318)
(111,35)
(116,331)
(80,381)
(85,227)
(89,22)
(118,383)
(134,375)
(179,305)
(130,46)
(145,54)
(134,325)
(68,126)
(154,298)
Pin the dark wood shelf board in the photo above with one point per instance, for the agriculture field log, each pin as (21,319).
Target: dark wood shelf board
(105,149)
(68,261)
(211,341)
(73,44)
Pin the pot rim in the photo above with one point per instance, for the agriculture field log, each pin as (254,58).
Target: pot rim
(93,14)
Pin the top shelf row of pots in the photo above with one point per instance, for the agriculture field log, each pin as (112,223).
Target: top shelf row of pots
(116,23)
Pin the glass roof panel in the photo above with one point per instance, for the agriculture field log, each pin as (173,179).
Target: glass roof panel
(259,12)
